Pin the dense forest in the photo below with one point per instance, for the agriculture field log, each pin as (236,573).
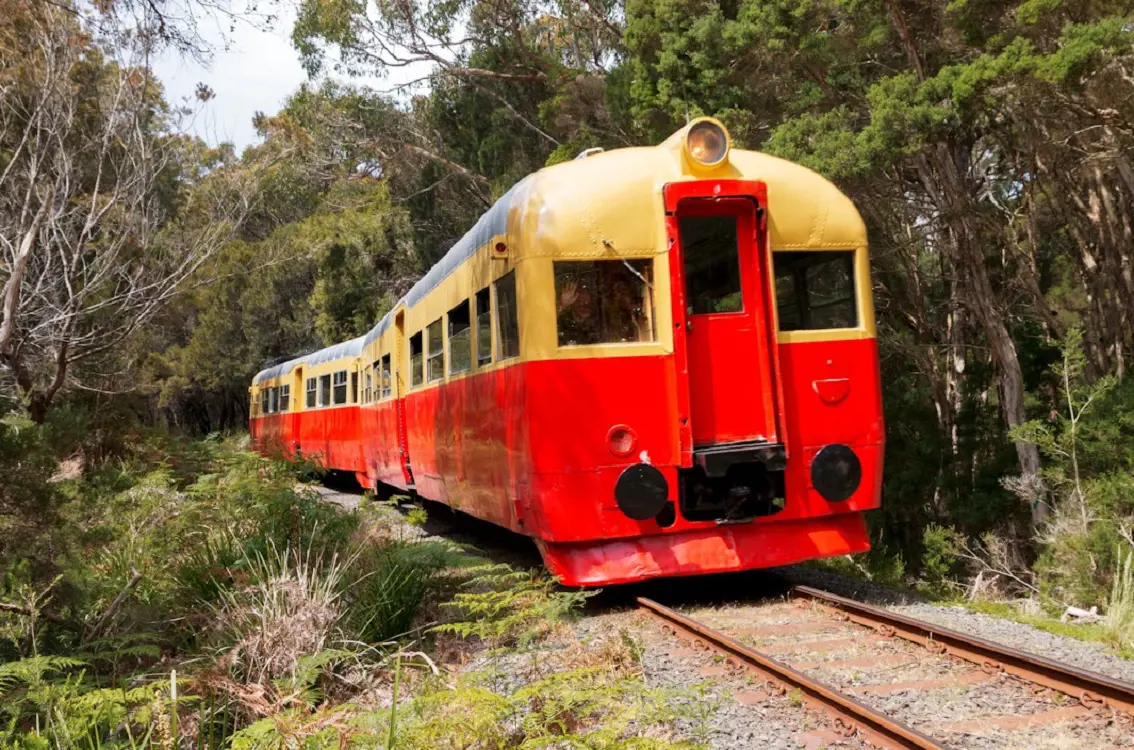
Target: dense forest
(145,275)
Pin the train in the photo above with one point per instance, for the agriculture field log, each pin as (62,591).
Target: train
(653,361)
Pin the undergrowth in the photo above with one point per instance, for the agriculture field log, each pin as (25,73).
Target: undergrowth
(181,591)
(193,594)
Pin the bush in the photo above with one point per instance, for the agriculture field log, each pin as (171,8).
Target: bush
(940,568)
(386,584)
(290,610)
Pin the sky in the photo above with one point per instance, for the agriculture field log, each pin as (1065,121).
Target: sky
(257,72)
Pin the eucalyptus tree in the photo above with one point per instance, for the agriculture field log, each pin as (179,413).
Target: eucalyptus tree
(97,229)
(985,142)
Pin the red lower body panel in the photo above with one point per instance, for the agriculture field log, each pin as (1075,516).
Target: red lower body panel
(711,550)
(527,447)
(330,437)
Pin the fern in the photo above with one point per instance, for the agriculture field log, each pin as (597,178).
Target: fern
(34,670)
(510,606)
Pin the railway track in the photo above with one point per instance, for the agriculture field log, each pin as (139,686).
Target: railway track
(890,681)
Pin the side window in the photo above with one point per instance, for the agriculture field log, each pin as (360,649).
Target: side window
(273,400)
(460,339)
(354,387)
(815,290)
(324,390)
(285,398)
(264,400)
(483,328)
(340,387)
(507,317)
(604,301)
(311,390)
(387,386)
(367,386)
(436,365)
(417,361)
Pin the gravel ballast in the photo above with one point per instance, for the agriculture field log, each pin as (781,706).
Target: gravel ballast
(1094,657)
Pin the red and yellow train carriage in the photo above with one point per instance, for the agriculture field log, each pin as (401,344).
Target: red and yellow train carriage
(653,361)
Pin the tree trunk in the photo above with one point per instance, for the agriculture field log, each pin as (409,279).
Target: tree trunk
(958,212)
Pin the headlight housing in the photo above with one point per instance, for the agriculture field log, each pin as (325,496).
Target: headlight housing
(836,472)
(707,143)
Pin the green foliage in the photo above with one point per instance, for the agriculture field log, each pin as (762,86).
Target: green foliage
(593,707)
(47,701)
(510,606)
(386,585)
(940,568)
(1088,480)
(1120,607)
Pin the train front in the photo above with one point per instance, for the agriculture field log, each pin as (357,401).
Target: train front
(709,397)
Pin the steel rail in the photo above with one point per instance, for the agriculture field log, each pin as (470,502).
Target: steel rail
(1092,689)
(851,716)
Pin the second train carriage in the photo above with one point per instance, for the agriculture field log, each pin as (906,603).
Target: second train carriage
(654,361)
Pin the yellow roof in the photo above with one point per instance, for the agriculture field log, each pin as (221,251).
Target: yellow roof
(610,203)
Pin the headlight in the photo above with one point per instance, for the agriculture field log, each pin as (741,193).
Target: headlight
(707,143)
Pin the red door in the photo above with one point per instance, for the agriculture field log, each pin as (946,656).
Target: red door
(720,299)
(399,387)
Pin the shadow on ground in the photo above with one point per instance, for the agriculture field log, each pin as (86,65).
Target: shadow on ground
(501,545)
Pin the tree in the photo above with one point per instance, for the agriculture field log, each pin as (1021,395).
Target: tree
(97,225)
(320,258)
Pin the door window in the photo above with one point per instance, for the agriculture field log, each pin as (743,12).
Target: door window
(712,264)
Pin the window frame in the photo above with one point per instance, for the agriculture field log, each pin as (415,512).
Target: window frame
(285,398)
(417,369)
(801,291)
(432,356)
(336,384)
(485,295)
(386,380)
(501,340)
(312,393)
(264,400)
(450,334)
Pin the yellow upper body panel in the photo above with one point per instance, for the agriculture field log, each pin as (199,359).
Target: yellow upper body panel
(604,206)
